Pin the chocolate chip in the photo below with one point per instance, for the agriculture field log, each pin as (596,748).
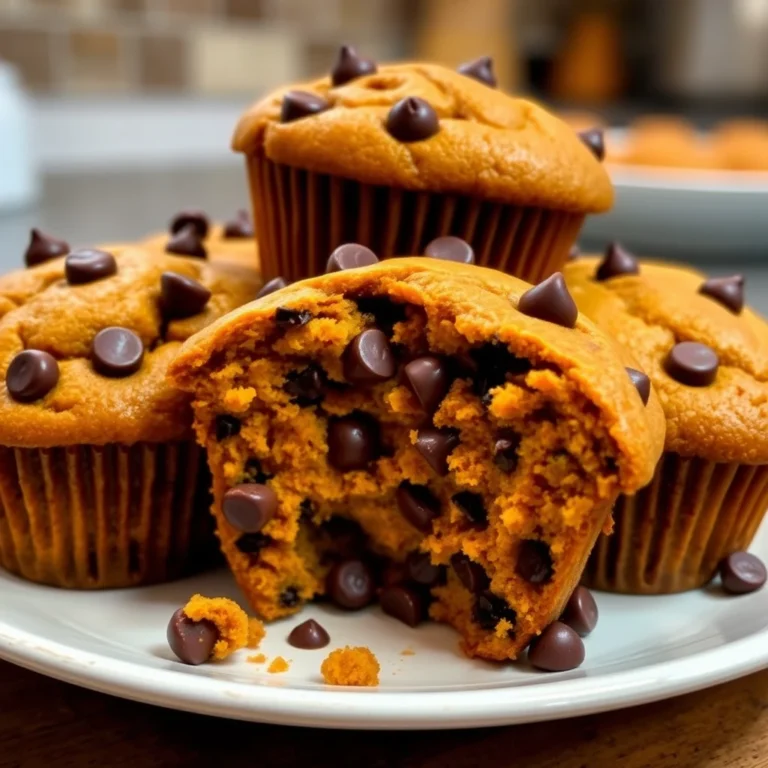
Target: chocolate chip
(275,284)
(642,384)
(386,313)
(31,375)
(480,69)
(595,141)
(353,442)
(309,636)
(239,228)
(226,426)
(306,387)
(350,584)
(252,543)
(117,352)
(87,266)
(43,248)
(299,104)
(581,612)
(574,253)
(181,296)
(419,568)
(417,505)
(186,242)
(550,301)
(617,262)
(253,472)
(472,505)
(192,641)
(728,291)
(350,256)
(741,573)
(428,379)
(412,119)
(347,538)
(505,451)
(494,365)
(557,649)
(286,318)
(450,248)
(249,507)
(436,445)
(534,562)
(471,574)
(195,219)
(692,364)
(403,603)
(350,65)
(289,597)
(490,609)
(368,358)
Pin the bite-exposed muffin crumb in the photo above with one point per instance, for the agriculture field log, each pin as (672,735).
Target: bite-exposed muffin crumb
(256,632)
(351,666)
(278,665)
(258,658)
(227,616)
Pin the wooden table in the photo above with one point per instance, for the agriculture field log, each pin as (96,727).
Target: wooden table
(47,723)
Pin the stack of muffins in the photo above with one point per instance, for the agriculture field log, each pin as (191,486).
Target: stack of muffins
(433,431)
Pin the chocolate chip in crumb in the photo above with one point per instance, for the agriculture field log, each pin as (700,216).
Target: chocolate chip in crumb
(550,301)
(742,572)
(618,261)
(239,228)
(350,65)
(350,256)
(479,69)
(368,358)
(289,597)
(350,584)
(505,451)
(89,265)
(642,384)
(353,442)
(186,242)
(436,445)
(299,104)
(490,609)
(692,364)
(534,562)
(420,569)
(43,248)
(249,507)
(198,220)
(450,248)
(31,375)
(306,387)
(557,649)
(254,473)
(428,379)
(181,296)
(275,284)
(494,365)
(595,141)
(252,543)
(309,636)
(728,291)
(286,318)
(471,574)
(226,426)
(417,505)
(191,641)
(412,119)
(385,312)
(117,352)
(581,612)
(472,506)
(403,603)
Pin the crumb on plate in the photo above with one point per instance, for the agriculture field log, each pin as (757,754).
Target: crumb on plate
(351,666)
(229,618)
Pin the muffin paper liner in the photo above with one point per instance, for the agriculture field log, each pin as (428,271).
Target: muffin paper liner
(671,536)
(301,217)
(93,517)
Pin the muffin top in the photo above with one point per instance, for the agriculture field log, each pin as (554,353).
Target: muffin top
(706,354)
(425,127)
(85,342)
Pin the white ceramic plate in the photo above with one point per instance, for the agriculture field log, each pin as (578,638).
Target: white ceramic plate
(644,648)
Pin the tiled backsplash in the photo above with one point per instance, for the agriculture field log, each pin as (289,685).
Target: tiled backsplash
(188,46)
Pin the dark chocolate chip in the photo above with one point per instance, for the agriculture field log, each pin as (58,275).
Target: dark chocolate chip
(368,358)
(692,364)
(353,442)
(534,562)
(192,641)
(494,365)
(306,387)
(472,506)
(198,220)
(239,228)
(286,318)
(490,609)
(505,450)
(428,379)
(403,603)
(350,65)
(350,256)
(43,248)
(347,538)
(480,69)
(420,569)
(728,291)
(299,104)
(642,384)
(181,296)
(309,636)
(31,375)
(471,574)
(550,301)
(412,119)
(574,253)
(186,242)
(741,573)
(252,543)
(249,507)
(436,445)
(117,352)
(89,265)
(581,612)
(350,584)
(617,261)
(595,141)
(289,597)
(417,505)
(226,426)
(450,248)
(386,313)
(557,649)
(275,284)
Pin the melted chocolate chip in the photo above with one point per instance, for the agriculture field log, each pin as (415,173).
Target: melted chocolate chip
(239,228)
(226,426)
(534,562)
(742,572)
(490,609)
(43,248)
(479,69)
(286,318)
(252,543)
(557,649)
(642,384)
(428,379)
(306,387)
(617,261)
(471,574)
(117,352)
(403,603)
(350,584)
(417,505)
(31,375)
(728,291)
(550,301)
(595,141)
(505,451)
(181,296)
(275,284)
(581,612)
(350,65)
(692,364)
(386,313)
(186,242)
(353,442)
(191,641)
(412,119)
(350,256)
(87,266)
(195,219)
(472,506)
(249,507)
(436,445)
(420,569)
(309,636)
(289,597)
(450,248)
(300,104)
(494,365)
(368,358)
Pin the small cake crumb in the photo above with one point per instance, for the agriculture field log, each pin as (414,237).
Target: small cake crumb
(256,632)
(279,664)
(408,652)
(258,658)
(229,618)
(351,666)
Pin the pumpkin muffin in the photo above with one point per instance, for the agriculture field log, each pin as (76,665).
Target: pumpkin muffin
(398,155)
(101,482)
(707,357)
(433,431)
(742,145)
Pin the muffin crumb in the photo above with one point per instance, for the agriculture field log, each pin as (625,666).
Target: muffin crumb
(229,618)
(351,666)
(258,658)
(278,665)
(407,652)
(256,632)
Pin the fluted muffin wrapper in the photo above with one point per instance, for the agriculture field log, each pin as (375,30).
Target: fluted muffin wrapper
(94,517)
(671,536)
(301,217)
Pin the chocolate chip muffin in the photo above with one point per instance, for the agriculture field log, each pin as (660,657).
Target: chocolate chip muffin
(427,431)
(395,156)
(707,357)
(101,482)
